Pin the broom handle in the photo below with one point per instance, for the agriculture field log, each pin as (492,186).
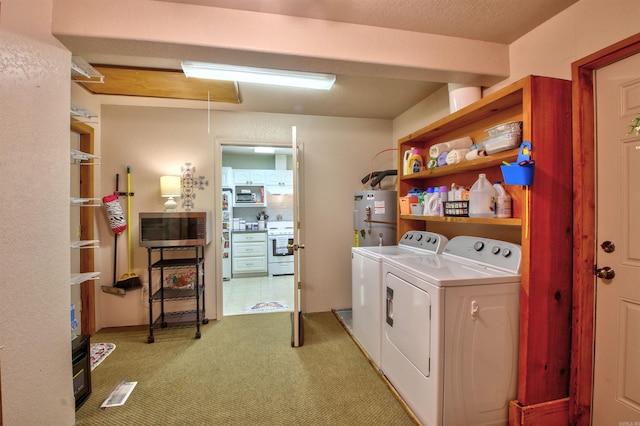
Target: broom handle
(115,239)
(129,257)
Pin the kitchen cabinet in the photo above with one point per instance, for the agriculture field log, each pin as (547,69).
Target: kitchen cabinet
(227,177)
(279,177)
(180,278)
(541,222)
(248,177)
(249,254)
(249,183)
(279,181)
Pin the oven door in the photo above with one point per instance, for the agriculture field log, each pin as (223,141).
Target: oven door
(280,247)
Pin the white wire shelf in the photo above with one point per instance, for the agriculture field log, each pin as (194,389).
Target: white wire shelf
(82,156)
(84,276)
(76,201)
(85,244)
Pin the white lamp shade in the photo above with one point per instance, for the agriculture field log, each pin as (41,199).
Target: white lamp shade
(170,186)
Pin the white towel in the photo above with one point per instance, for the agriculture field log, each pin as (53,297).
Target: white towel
(281,245)
(475,153)
(456,155)
(439,148)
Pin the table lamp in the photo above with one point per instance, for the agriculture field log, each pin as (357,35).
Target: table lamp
(170,186)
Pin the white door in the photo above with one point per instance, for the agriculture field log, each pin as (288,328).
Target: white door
(297,327)
(616,390)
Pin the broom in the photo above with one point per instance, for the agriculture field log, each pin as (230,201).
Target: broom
(129,279)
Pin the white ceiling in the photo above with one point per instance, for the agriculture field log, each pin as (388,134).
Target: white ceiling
(369,92)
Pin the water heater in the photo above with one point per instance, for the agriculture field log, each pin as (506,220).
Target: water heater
(375,217)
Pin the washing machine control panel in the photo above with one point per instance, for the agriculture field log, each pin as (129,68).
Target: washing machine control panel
(494,253)
(424,240)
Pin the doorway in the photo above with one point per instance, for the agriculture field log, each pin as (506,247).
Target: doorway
(256,271)
(584,161)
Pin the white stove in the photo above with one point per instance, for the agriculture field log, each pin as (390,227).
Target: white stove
(280,255)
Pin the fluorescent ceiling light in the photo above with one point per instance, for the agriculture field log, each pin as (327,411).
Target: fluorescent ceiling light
(264,150)
(309,80)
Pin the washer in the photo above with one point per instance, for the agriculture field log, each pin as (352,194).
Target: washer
(450,333)
(366,284)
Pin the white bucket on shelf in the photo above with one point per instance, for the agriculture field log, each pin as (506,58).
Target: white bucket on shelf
(461,95)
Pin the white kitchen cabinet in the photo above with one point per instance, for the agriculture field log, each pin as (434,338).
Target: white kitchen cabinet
(227,177)
(248,254)
(279,177)
(248,177)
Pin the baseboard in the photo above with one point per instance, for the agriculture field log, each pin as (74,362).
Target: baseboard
(548,413)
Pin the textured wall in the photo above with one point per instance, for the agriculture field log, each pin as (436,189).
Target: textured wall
(34,231)
(157,141)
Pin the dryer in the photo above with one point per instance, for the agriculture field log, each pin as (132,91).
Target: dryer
(366,284)
(450,331)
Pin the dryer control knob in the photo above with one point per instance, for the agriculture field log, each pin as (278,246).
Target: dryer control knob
(495,249)
(478,246)
(418,237)
(506,252)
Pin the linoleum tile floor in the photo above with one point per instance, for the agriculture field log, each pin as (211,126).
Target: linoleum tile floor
(240,294)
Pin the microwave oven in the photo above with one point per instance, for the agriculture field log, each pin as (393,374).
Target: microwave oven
(245,197)
(159,229)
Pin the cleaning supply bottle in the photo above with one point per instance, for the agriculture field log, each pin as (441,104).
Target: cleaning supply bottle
(451,195)
(427,201)
(481,198)
(432,206)
(412,161)
(502,205)
(442,197)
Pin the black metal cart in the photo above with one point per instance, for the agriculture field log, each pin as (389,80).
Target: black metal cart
(180,276)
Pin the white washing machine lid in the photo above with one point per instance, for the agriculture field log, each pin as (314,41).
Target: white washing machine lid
(443,271)
(382,252)
(412,243)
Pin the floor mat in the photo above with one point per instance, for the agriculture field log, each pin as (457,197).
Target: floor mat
(265,307)
(99,351)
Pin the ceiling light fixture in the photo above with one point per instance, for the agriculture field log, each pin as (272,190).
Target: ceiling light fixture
(264,150)
(309,80)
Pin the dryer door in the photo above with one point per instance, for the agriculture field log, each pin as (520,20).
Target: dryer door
(408,321)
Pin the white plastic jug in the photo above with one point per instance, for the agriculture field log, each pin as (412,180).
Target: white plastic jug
(427,200)
(481,198)
(412,161)
(502,206)
(432,206)
(436,203)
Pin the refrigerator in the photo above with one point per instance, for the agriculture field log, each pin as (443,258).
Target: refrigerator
(227,219)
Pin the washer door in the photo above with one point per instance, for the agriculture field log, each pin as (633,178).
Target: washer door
(407,323)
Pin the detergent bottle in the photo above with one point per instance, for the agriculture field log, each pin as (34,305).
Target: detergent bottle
(502,205)
(481,198)
(412,161)
(432,205)
(427,200)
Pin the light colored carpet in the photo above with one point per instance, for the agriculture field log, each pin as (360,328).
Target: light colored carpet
(243,371)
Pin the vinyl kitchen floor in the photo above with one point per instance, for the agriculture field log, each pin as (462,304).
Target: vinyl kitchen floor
(241,292)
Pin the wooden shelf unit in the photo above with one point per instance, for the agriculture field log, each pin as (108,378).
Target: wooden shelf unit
(541,223)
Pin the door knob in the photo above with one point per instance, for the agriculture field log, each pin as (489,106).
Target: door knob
(295,246)
(605,273)
(608,247)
